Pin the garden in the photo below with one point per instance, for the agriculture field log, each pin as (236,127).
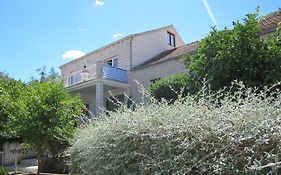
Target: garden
(224,117)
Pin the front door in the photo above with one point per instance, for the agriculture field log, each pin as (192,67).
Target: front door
(112,102)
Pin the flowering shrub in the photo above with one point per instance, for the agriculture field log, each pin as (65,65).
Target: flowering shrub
(221,133)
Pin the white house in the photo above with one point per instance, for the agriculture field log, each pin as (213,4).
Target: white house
(143,57)
(112,67)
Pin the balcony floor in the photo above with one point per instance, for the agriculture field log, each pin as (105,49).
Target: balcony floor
(91,84)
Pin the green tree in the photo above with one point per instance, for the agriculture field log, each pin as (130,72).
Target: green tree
(50,119)
(12,108)
(46,76)
(3,75)
(42,114)
(238,54)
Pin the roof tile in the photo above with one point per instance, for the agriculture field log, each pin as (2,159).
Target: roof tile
(170,54)
(271,21)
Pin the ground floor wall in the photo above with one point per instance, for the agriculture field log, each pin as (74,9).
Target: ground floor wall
(140,77)
(88,97)
(14,151)
(90,100)
(146,75)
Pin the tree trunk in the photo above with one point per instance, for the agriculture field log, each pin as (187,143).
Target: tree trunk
(40,163)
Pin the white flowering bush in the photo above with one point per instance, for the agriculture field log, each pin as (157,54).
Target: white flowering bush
(221,133)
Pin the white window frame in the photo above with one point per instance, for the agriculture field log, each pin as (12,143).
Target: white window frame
(171,39)
(74,79)
(113,62)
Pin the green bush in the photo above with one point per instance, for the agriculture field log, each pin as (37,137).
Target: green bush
(222,133)
(238,54)
(170,87)
(3,171)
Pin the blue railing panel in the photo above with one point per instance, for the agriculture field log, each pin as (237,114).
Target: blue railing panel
(113,73)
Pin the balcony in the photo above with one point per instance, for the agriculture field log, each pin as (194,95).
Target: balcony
(96,71)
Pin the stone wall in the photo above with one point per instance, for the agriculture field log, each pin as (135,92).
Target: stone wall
(14,151)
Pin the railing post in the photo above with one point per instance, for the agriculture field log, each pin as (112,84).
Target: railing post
(99,70)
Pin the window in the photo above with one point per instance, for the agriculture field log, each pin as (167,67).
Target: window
(171,39)
(74,79)
(112,103)
(112,62)
(109,62)
(115,62)
(71,80)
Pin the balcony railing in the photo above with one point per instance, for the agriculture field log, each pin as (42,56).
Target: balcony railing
(113,73)
(97,71)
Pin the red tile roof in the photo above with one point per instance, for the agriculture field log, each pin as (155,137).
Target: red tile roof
(170,55)
(270,22)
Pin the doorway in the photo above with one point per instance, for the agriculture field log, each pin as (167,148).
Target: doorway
(112,102)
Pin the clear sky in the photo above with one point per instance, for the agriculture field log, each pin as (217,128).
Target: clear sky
(35,33)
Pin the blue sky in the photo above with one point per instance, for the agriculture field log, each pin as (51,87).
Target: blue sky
(36,33)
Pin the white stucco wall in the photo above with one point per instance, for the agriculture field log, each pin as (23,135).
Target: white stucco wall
(143,47)
(144,75)
(148,45)
(139,48)
(120,50)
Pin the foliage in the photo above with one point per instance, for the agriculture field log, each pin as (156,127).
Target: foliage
(170,87)
(51,116)
(46,76)
(3,171)
(4,75)
(12,108)
(222,133)
(238,54)
(42,114)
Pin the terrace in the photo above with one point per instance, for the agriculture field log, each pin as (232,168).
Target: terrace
(96,71)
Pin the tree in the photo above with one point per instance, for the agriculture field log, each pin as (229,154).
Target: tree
(3,75)
(238,54)
(53,75)
(50,118)
(41,114)
(44,76)
(12,108)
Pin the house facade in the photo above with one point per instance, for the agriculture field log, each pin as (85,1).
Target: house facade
(118,68)
(169,62)
(109,71)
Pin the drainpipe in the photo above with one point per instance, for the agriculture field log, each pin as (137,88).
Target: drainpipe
(131,63)
(131,52)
